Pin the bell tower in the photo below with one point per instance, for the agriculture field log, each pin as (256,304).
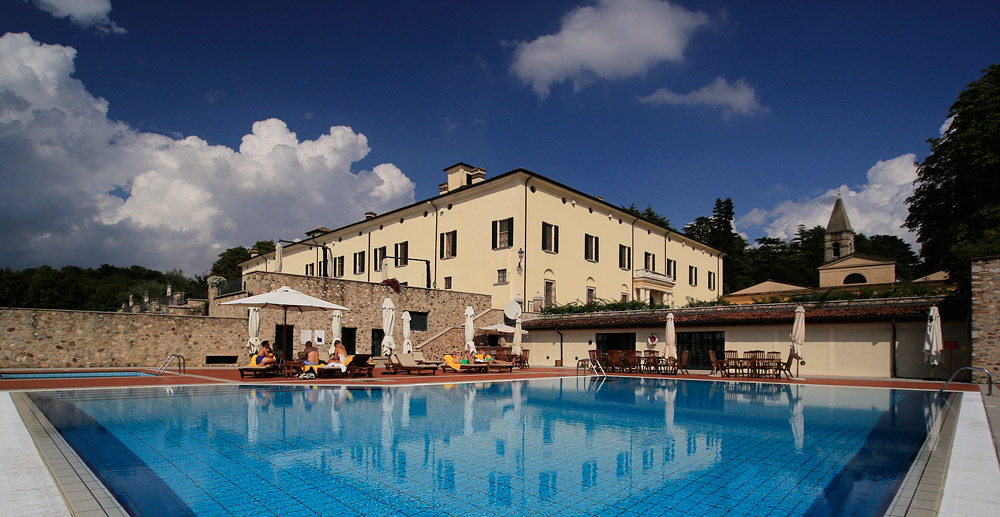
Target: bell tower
(839,239)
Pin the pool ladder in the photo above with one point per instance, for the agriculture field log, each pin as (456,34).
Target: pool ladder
(181,366)
(990,377)
(591,364)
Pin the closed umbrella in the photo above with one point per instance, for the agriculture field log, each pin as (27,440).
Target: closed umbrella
(670,337)
(470,330)
(933,339)
(336,329)
(798,337)
(515,348)
(407,345)
(388,324)
(277,258)
(253,328)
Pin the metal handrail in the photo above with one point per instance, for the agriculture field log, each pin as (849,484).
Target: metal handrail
(594,364)
(181,365)
(988,375)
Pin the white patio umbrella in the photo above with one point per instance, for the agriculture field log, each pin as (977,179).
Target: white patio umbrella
(388,325)
(500,328)
(253,328)
(515,348)
(286,298)
(336,329)
(277,258)
(933,340)
(670,337)
(798,336)
(407,345)
(470,330)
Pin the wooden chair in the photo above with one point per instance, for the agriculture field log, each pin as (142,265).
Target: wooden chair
(733,362)
(784,367)
(615,360)
(773,359)
(719,366)
(629,363)
(522,361)
(682,366)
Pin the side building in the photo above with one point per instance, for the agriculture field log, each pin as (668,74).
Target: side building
(517,236)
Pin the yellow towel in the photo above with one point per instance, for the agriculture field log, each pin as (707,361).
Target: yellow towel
(450,361)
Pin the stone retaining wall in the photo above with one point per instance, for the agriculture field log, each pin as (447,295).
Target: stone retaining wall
(444,308)
(46,338)
(986,316)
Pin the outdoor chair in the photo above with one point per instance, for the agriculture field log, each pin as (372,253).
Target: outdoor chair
(258,371)
(615,360)
(784,367)
(629,360)
(682,366)
(719,366)
(522,361)
(418,356)
(735,366)
(406,363)
(450,365)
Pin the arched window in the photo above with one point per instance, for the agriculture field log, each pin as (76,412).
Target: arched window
(855,278)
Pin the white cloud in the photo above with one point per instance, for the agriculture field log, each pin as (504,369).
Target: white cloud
(877,207)
(85,13)
(946,125)
(738,98)
(612,39)
(186,199)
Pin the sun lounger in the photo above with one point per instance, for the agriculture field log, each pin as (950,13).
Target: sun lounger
(418,356)
(499,366)
(406,364)
(451,366)
(258,371)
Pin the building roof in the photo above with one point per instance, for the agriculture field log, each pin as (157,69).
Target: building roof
(482,185)
(858,260)
(899,309)
(838,219)
(769,286)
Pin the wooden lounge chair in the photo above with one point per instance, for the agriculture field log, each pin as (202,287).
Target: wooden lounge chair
(499,366)
(451,366)
(258,371)
(405,363)
(358,366)
(418,356)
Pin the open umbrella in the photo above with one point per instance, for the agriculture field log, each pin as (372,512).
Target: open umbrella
(253,328)
(286,298)
(336,329)
(388,325)
(933,339)
(798,336)
(470,330)
(407,345)
(670,337)
(277,258)
(500,328)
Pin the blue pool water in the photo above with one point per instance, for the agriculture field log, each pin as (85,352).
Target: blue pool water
(622,446)
(73,375)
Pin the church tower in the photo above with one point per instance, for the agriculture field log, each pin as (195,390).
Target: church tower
(839,239)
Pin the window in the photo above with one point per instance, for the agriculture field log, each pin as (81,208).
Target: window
(449,243)
(672,269)
(501,276)
(418,321)
(692,275)
(310,269)
(359,263)
(325,265)
(550,238)
(503,233)
(591,294)
(855,278)
(836,250)
(447,282)
(590,248)
(378,256)
(650,261)
(624,297)
(550,293)
(402,252)
(338,266)
(711,281)
(624,256)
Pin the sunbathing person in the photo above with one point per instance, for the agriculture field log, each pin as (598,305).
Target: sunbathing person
(312,354)
(264,355)
(339,356)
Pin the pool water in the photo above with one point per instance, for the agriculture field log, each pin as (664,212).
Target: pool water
(73,374)
(614,446)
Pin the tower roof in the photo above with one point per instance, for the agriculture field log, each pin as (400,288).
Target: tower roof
(838,219)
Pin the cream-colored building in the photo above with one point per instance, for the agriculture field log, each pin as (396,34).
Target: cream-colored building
(517,235)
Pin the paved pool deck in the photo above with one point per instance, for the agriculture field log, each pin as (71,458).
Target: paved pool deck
(962,479)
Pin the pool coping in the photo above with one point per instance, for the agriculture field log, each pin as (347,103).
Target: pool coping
(920,493)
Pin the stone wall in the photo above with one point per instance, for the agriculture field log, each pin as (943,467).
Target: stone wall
(46,338)
(986,316)
(445,308)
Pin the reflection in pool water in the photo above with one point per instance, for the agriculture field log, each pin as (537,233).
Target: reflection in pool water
(564,446)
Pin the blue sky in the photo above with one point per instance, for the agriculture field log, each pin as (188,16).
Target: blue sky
(160,133)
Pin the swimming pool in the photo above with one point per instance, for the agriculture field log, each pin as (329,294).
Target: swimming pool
(615,446)
(73,374)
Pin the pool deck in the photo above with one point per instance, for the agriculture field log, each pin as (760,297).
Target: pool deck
(964,480)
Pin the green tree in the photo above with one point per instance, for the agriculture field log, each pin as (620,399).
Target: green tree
(263,247)
(908,265)
(955,207)
(650,215)
(228,263)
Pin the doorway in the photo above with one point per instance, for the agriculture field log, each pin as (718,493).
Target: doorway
(615,341)
(698,344)
(377,335)
(348,338)
(283,335)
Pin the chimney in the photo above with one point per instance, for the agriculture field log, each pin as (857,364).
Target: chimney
(370,215)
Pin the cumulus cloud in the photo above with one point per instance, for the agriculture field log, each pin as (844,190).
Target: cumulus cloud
(738,98)
(83,189)
(85,13)
(877,207)
(612,39)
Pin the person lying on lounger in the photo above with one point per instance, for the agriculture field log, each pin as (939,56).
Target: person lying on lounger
(264,356)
